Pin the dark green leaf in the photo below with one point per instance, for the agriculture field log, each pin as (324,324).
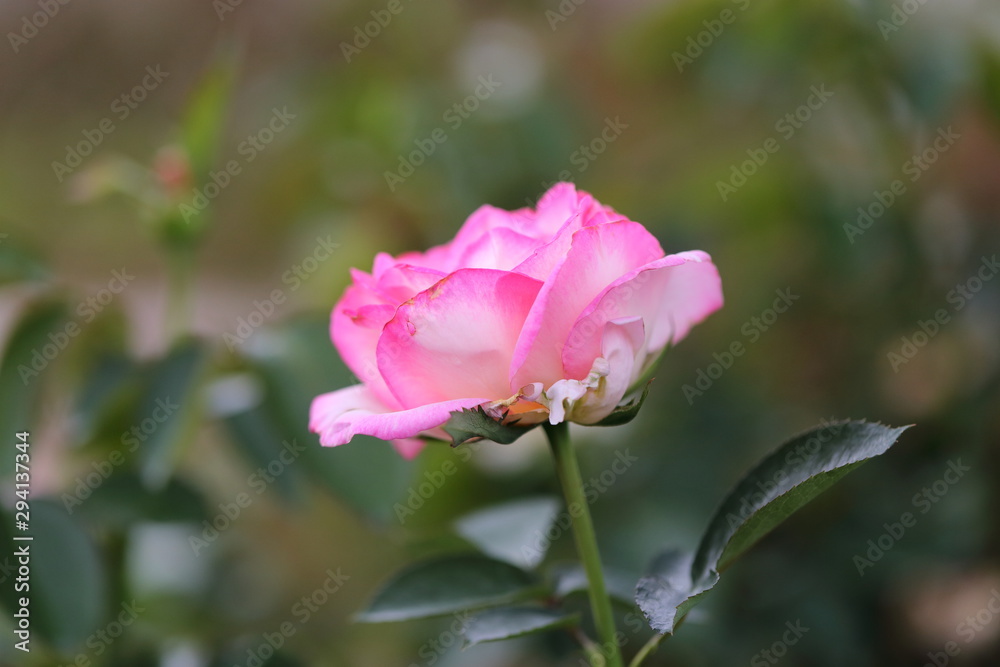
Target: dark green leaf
(67,579)
(255,433)
(25,360)
(513,532)
(447,585)
(790,477)
(492,625)
(667,593)
(990,68)
(165,416)
(106,381)
(123,500)
(297,363)
(626,412)
(465,425)
(783,482)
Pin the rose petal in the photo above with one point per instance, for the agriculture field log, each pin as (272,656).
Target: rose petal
(340,415)
(501,248)
(361,314)
(355,326)
(671,295)
(456,339)
(408,448)
(598,255)
(593,398)
(561,212)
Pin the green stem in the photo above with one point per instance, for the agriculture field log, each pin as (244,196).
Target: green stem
(586,540)
(647,650)
(180,265)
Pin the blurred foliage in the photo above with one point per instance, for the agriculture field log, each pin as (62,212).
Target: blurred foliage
(228,525)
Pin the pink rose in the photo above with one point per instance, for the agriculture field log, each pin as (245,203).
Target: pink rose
(547,314)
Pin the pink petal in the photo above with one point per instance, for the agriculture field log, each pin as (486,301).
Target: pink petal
(485,219)
(561,212)
(671,295)
(340,415)
(457,338)
(560,203)
(403,281)
(355,326)
(361,314)
(408,448)
(598,256)
(622,342)
(500,248)
(590,401)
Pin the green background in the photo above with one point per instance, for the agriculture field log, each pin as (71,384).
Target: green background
(566,73)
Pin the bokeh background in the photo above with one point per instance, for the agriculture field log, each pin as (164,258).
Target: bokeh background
(157,392)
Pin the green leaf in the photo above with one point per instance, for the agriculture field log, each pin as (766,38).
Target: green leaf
(67,578)
(254,431)
(667,593)
(297,363)
(202,130)
(783,482)
(107,381)
(471,423)
(24,366)
(122,500)
(448,585)
(513,532)
(17,265)
(166,414)
(493,625)
(626,412)
(205,115)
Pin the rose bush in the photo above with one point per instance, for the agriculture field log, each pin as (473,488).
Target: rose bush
(552,313)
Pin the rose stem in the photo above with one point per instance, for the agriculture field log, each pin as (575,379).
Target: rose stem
(586,540)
